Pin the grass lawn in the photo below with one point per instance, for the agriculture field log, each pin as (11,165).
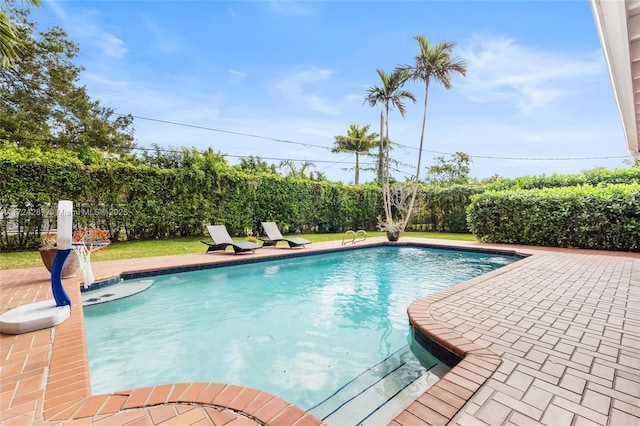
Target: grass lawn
(149,248)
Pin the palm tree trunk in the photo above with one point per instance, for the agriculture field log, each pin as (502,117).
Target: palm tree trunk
(385,182)
(417,179)
(357,168)
(381,155)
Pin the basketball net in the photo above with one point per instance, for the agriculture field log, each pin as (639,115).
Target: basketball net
(84,256)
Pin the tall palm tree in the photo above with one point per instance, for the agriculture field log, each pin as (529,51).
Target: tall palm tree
(10,42)
(432,62)
(390,94)
(359,141)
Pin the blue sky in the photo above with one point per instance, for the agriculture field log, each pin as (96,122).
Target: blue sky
(298,71)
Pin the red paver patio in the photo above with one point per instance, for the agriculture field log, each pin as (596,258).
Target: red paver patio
(552,339)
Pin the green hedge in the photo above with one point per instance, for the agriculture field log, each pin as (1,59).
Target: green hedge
(591,177)
(443,209)
(175,194)
(595,217)
(166,197)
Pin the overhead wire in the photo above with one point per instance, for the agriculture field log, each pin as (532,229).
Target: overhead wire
(515,158)
(231,132)
(309,145)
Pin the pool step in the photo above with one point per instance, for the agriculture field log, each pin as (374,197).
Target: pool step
(380,393)
(114,292)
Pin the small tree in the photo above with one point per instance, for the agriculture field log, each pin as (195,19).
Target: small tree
(295,172)
(253,164)
(453,171)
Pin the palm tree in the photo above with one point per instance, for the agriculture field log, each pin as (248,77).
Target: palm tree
(293,170)
(432,62)
(390,94)
(10,42)
(358,141)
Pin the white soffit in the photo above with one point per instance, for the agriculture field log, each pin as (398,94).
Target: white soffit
(618,24)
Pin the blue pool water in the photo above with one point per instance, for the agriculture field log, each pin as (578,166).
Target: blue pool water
(299,328)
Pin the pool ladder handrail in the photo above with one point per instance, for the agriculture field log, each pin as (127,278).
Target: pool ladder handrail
(355,236)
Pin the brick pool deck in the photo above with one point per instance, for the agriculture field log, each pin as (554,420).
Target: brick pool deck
(551,339)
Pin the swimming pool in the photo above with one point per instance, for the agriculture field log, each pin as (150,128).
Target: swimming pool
(300,328)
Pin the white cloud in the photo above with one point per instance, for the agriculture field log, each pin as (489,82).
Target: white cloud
(171,102)
(111,45)
(84,28)
(57,8)
(236,76)
(162,39)
(295,87)
(232,12)
(500,69)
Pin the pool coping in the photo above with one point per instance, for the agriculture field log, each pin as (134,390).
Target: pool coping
(486,387)
(473,358)
(63,400)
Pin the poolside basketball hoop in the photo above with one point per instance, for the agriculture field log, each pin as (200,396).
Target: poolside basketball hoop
(83,250)
(46,313)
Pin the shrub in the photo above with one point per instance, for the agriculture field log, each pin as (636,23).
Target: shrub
(591,177)
(165,197)
(444,208)
(601,217)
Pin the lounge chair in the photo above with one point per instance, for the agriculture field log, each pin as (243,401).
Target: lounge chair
(222,240)
(274,237)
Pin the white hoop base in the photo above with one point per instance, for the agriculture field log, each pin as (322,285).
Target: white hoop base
(33,316)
